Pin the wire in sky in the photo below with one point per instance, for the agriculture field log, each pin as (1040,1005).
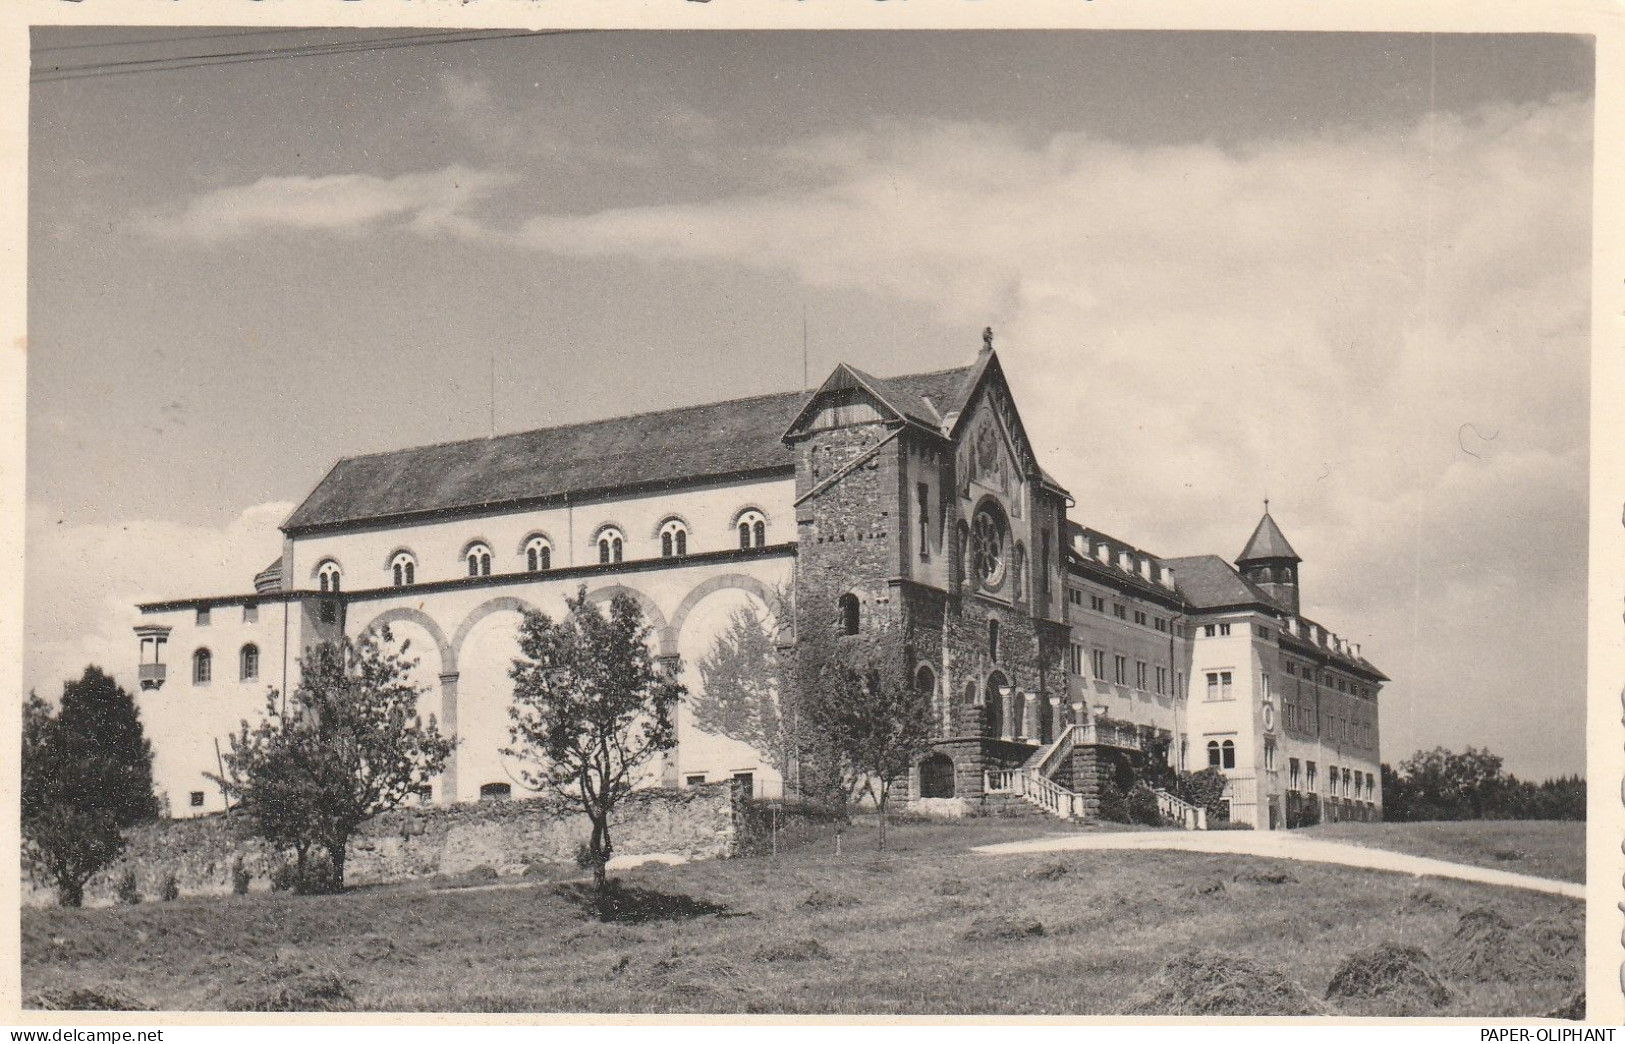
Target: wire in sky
(192,61)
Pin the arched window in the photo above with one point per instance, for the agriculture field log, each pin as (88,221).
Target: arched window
(937,776)
(1018,574)
(752,528)
(404,568)
(248,662)
(1213,757)
(495,791)
(988,538)
(538,555)
(478,557)
(993,640)
(673,539)
(610,543)
(849,613)
(202,667)
(925,680)
(1229,754)
(328,576)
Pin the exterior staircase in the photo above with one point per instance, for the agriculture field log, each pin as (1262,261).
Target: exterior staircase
(1035,781)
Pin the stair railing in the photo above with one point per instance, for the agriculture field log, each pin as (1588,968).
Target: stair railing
(1189,816)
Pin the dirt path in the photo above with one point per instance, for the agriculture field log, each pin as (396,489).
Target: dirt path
(1280,844)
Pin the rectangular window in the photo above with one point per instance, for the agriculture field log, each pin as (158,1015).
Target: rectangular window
(1162,681)
(203,616)
(251,612)
(1264,685)
(1122,669)
(197,799)
(1074,596)
(746,782)
(1160,623)
(1224,630)
(1209,630)
(1309,774)
(695,780)
(1121,612)
(1291,669)
(1269,755)
(1139,675)
(1097,603)
(1292,777)
(1139,617)
(1212,685)
(1077,658)
(923,492)
(1043,582)
(1179,683)
(1100,665)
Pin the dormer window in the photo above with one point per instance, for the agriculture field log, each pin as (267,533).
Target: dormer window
(327,576)
(403,567)
(752,528)
(538,555)
(673,539)
(478,557)
(610,543)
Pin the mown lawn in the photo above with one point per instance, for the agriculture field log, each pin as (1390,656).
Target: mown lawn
(926,927)
(1544,848)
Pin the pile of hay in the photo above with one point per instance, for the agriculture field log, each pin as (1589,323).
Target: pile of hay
(697,977)
(997,928)
(1269,877)
(84,998)
(1221,984)
(1426,899)
(1486,948)
(1403,974)
(792,950)
(1213,889)
(307,990)
(1052,872)
(1561,936)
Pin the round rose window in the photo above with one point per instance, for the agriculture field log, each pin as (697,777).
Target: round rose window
(987,540)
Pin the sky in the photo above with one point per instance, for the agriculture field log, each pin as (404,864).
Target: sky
(1346,272)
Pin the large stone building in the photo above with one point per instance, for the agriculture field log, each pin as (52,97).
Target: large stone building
(910,513)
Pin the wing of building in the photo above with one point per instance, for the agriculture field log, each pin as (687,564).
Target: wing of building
(908,513)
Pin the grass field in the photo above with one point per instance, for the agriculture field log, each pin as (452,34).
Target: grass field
(1539,847)
(926,927)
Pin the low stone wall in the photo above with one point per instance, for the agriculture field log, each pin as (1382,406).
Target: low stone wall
(413,843)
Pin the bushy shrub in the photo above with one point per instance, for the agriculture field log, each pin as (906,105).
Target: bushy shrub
(1141,806)
(169,889)
(128,893)
(1113,803)
(1205,789)
(240,877)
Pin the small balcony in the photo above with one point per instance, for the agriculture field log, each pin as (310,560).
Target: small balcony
(152,675)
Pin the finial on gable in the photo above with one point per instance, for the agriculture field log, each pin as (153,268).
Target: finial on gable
(1266,505)
(987,339)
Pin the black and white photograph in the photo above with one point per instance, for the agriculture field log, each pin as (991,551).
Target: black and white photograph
(860,523)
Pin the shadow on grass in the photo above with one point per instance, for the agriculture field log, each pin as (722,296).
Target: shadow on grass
(628,904)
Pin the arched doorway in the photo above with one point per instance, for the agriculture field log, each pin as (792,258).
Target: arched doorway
(993,703)
(937,776)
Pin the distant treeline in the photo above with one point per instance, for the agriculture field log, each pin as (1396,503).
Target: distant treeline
(1440,784)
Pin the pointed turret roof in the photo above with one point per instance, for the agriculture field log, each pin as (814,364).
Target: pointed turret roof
(1267,542)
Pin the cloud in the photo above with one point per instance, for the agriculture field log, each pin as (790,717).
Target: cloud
(83,581)
(424,201)
(1383,330)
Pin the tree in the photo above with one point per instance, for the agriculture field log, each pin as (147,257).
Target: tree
(592,707)
(86,774)
(743,688)
(867,725)
(352,746)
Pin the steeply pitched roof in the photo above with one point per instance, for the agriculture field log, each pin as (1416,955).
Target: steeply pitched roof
(1209,582)
(917,398)
(645,450)
(1267,542)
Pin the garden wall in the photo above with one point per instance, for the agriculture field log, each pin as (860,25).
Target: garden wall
(413,843)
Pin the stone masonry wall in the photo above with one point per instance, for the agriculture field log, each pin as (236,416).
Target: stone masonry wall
(412,843)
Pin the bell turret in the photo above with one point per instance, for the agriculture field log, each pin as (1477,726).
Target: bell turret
(1269,562)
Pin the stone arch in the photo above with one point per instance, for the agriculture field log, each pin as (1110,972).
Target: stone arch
(448,653)
(506,603)
(665,636)
(719,583)
(937,775)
